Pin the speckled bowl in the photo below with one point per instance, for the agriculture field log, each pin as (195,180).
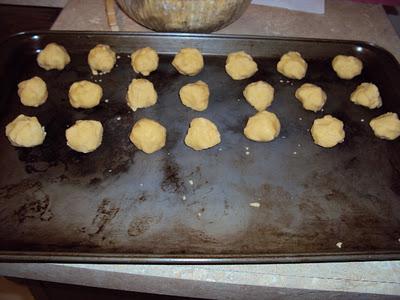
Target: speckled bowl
(184,15)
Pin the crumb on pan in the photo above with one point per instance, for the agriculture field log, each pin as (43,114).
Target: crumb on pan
(255,204)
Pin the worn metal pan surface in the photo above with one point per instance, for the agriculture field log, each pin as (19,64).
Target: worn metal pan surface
(118,204)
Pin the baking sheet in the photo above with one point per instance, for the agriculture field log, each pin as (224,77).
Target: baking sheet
(118,204)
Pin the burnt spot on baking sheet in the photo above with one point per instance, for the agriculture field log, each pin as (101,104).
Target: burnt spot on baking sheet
(37,208)
(142,197)
(142,224)
(172,181)
(105,213)
(11,190)
(36,203)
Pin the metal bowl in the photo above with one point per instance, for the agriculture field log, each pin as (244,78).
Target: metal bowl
(184,15)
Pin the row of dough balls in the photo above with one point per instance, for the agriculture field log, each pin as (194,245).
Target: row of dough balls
(189,61)
(141,94)
(150,136)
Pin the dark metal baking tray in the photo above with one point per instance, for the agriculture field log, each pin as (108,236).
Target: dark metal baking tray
(118,204)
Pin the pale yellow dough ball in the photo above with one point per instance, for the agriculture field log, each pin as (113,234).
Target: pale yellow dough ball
(188,61)
(292,65)
(53,56)
(32,92)
(386,126)
(195,95)
(84,136)
(240,65)
(311,96)
(141,94)
(101,59)
(347,67)
(144,61)
(202,134)
(85,94)
(25,131)
(148,135)
(259,94)
(264,126)
(367,94)
(328,131)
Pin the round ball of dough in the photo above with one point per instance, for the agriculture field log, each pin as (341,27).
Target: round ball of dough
(195,95)
(240,65)
(386,126)
(202,134)
(53,56)
(367,94)
(292,65)
(327,132)
(84,136)
(144,61)
(32,92)
(25,131)
(101,59)
(264,126)
(85,94)
(188,61)
(311,96)
(259,94)
(347,67)
(148,135)
(141,94)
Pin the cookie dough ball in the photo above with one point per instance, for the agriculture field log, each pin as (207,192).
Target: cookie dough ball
(327,132)
(188,61)
(311,96)
(84,136)
(141,94)
(259,94)
(53,56)
(292,65)
(367,94)
(240,65)
(144,61)
(264,126)
(347,67)
(85,94)
(32,92)
(195,95)
(386,126)
(25,131)
(101,59)
(148,135)
(202,134)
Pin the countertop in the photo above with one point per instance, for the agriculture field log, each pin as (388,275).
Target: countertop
(342,20)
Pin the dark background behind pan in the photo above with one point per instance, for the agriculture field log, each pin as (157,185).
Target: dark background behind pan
(118,204)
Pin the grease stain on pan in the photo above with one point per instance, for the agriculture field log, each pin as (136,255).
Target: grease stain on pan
(172,181)
(105,213)
(36,203)
(142,224)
